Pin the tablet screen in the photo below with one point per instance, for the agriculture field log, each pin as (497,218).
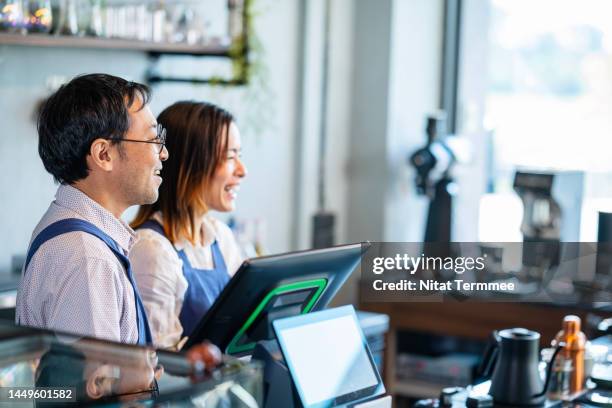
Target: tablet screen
(328,357)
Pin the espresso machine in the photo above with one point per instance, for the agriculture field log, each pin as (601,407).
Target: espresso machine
(552,204)
(541,224)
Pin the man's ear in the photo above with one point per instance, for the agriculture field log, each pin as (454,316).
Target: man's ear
(103,154)
(99,383)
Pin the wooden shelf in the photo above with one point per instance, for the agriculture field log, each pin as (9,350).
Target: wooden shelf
(46,40)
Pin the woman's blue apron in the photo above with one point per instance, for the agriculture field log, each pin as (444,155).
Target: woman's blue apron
(75,224)
(204,285)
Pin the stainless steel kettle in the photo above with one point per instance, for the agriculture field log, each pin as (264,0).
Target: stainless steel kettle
(516,379)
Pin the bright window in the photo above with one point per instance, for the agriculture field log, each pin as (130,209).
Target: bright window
(549,92)
(548,102)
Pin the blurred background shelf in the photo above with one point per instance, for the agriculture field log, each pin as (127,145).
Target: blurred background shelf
(417,389)
(44,40)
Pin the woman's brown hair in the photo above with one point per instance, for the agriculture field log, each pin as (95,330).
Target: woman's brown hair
(196,140)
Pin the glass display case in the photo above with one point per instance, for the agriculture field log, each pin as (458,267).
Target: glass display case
(41,368)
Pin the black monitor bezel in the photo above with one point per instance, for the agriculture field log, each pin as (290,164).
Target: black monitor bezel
(272,271)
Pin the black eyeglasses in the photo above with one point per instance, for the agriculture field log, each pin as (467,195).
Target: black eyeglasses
(152,392)
(160,139)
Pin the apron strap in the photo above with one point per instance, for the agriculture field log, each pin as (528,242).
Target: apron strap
(153,225)
(217,256)
(74,224)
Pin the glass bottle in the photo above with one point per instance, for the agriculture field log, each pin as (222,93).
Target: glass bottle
(11,16)
(560,375)
(38,18)
(95,22)
(235,22)
(158,22)
(69,23)
(573,350)
(83,16)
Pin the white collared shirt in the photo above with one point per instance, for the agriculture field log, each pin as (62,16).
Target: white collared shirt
(158,271)
(74,282)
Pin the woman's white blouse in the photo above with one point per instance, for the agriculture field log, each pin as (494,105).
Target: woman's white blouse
(158,271)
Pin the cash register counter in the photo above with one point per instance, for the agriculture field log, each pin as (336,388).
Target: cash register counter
(470,320)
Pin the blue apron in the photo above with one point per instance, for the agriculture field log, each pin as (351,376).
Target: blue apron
(74,224)
(204,285)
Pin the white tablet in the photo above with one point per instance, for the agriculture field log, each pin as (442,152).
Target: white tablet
(328,358)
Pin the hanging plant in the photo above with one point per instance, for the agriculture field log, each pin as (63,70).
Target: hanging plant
(249,69)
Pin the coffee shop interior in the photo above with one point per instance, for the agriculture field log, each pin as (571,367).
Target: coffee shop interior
(474,121)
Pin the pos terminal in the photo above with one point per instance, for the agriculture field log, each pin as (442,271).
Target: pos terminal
(328,359)
(271,287)
(276,296)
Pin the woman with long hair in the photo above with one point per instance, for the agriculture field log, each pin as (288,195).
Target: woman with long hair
(183,257)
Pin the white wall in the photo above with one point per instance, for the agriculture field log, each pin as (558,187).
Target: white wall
(26,189)
(338,127)
(384,78)
(367,175)
(414,87)
(395,84)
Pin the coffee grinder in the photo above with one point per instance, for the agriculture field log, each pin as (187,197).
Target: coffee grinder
(552,205)
(433,164)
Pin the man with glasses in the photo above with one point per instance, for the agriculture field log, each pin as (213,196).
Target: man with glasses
(100,141)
